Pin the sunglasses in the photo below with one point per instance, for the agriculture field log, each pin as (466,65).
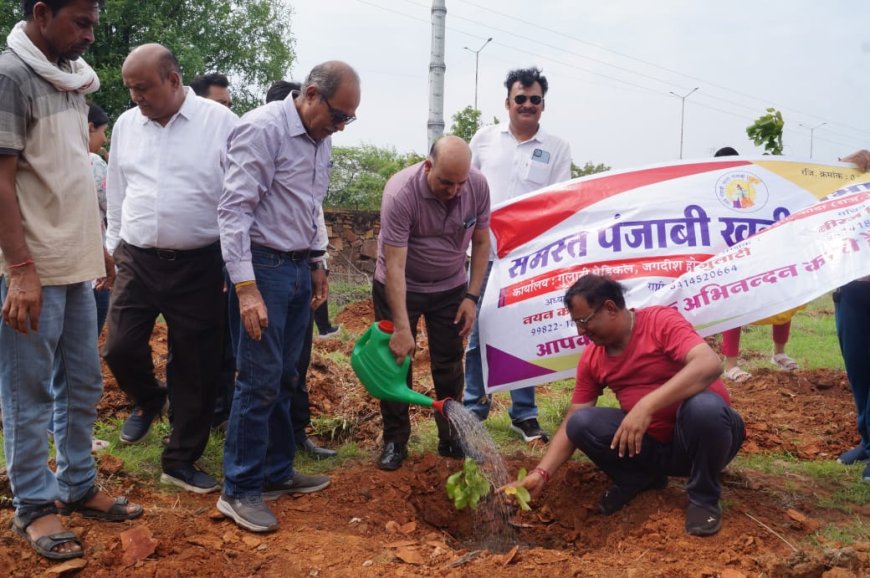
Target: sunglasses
(338,117)
(522,98)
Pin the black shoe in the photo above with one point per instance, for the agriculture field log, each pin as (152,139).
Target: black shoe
(392,456)
(530,429)
(191,478)
(331,332)
(703,520)
(450,449)
(317,452)
(616,497)
(137,425)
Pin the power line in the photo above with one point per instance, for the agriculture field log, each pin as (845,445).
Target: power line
(622,68)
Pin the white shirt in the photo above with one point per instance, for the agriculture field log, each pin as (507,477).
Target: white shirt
(164,182)
(514,168)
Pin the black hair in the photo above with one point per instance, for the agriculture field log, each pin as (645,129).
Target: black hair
(203,82)
(596,289)
(281,89)
(53,5)
(526,77)
(726,152)
(96,115)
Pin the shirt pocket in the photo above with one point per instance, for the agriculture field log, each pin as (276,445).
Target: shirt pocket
(537,172)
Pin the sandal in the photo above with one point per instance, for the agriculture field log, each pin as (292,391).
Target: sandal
(784,362)
(45,545)
(116,513)
(737,375)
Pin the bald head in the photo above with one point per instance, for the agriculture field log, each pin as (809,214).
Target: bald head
(153,77)
(447,167)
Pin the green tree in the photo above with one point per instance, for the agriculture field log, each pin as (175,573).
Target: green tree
(248,40)
(588,169)
(767,131)
(466,123)
(360,173)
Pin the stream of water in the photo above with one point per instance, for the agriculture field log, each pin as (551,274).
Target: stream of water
(492,517)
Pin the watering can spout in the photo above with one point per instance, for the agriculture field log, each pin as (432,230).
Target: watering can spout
(438,404)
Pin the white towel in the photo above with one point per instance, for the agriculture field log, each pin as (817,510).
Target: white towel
(81,77)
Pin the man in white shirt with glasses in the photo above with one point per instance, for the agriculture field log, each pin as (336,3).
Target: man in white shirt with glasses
(516,158)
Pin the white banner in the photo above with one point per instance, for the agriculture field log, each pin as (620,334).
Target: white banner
(659,231)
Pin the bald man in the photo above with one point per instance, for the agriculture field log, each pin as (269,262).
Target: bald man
(164,183)
(430,213)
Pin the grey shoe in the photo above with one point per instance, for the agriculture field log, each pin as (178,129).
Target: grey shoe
(249,512)
(298,484)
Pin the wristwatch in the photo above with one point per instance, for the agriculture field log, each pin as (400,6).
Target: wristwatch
(473,297)
(317,265)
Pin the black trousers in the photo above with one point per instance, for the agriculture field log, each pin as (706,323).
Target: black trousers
(300,412)
(445,352)
(186,287)
(707,435)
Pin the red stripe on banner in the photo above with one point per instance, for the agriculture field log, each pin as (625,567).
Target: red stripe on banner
(520,222)
(671,266)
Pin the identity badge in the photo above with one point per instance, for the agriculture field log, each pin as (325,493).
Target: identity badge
(541,156)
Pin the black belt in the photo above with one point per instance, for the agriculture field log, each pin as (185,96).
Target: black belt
(289,255)
(176,254)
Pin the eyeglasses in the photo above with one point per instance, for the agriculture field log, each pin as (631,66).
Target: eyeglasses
(338,117)
(585,322)
(522,98)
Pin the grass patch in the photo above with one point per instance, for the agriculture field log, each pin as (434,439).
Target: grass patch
(855,531)
(812,341)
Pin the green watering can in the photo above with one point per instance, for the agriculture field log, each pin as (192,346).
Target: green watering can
(375,366)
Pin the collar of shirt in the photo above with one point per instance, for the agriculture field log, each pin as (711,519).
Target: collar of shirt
(538,135)
(292,119)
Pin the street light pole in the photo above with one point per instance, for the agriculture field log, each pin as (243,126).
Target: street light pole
(812,130)
(683,114)
(476,57)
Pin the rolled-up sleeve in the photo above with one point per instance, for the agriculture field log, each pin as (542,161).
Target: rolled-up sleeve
(249,168)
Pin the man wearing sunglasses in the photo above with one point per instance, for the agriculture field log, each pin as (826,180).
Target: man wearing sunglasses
(516,158)
(277,172)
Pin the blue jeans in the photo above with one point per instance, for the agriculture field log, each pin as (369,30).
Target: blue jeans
(54,372)
(260,446)
(475,400)
(853,331)
(707,436)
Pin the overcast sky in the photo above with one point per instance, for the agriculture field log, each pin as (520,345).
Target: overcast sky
(611,66)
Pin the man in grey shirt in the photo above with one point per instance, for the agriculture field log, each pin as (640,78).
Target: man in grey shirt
(277,173)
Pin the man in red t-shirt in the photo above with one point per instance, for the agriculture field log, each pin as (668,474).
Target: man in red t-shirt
(674,417)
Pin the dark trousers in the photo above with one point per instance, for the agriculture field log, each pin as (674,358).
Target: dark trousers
(187,289)
(853,332)
(226,381)
(445,353)
(321,317)
(707,436)
(300,412)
